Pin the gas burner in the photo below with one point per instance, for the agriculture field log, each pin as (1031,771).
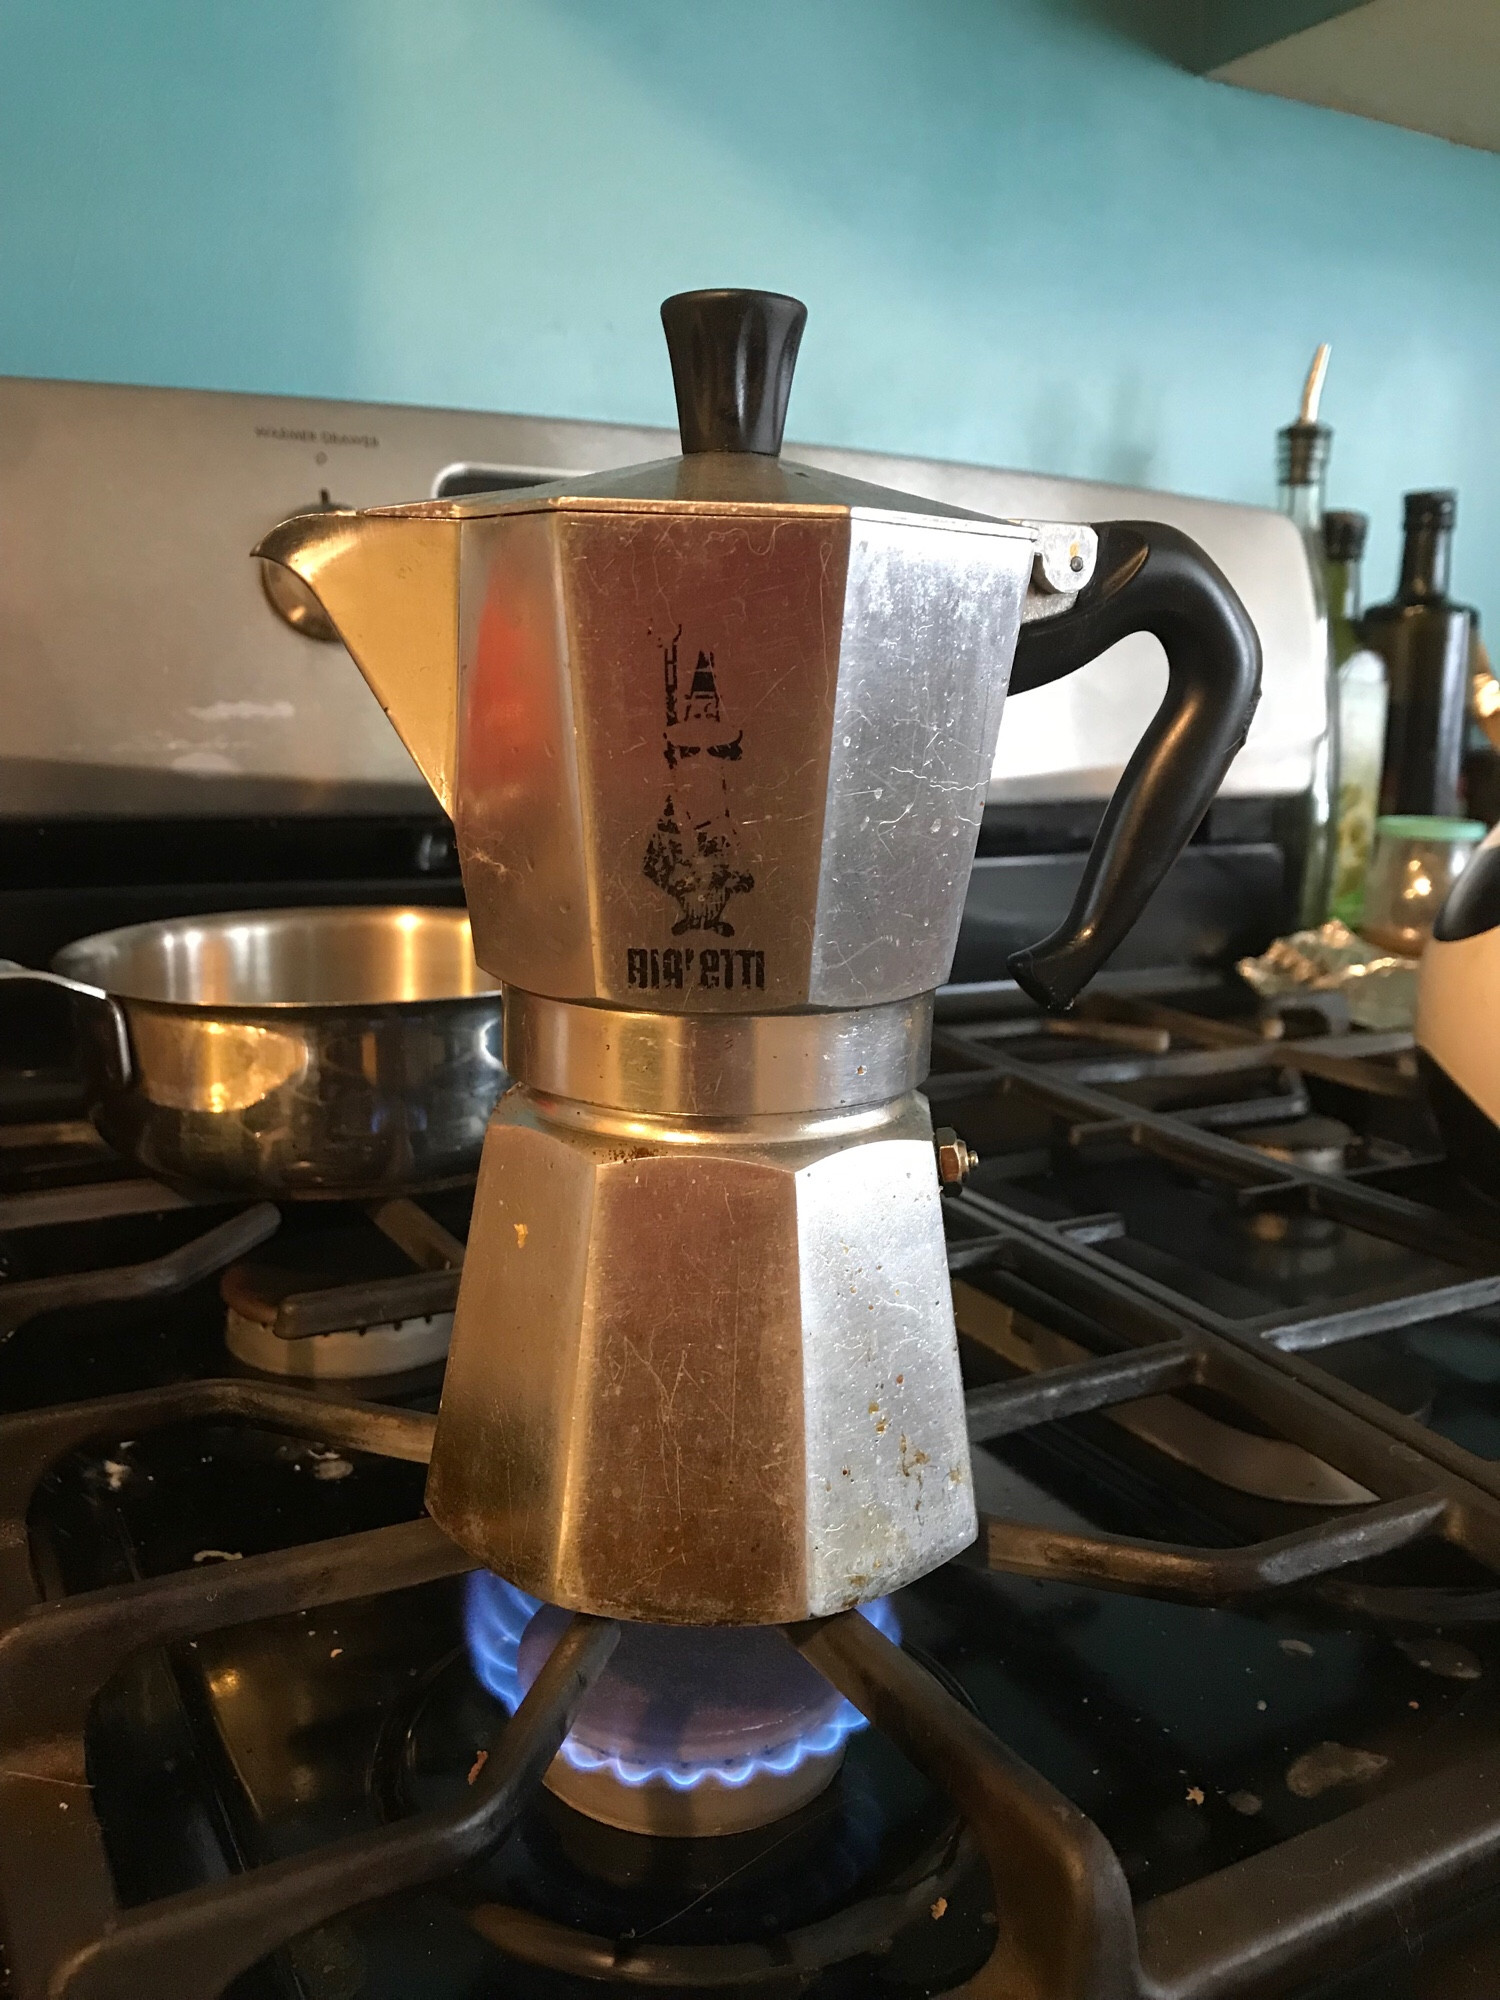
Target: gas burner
(335,1299)
(691,1731)
(1319,1144)
(392,1349)
(299,1665)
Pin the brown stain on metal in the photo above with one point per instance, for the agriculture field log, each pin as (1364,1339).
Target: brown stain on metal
(1331,1764)
(911,1460)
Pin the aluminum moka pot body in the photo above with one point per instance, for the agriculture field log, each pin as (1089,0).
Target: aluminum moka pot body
(715,734)
(714,740)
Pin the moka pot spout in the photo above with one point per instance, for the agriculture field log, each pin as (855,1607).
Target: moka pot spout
(389,582)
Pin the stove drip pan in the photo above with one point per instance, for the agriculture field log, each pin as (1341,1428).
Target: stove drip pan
(691,1731)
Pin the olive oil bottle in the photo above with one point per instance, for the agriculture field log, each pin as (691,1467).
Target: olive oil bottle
(1302,472)
(1425,640)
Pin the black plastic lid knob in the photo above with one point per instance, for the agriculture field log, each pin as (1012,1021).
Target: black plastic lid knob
(732,359)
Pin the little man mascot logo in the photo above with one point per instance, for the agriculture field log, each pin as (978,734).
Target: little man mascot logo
(691,856)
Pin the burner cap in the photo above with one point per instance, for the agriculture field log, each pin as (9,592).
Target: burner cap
(1319,1144)
(691,1730)
(252,1291)
(365,1351)
(707,1810)
(694,1730)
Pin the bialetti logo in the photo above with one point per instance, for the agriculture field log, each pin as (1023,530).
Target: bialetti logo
(693,852)
(650,967)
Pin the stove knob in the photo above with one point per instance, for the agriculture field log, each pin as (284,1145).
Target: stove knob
(290,598)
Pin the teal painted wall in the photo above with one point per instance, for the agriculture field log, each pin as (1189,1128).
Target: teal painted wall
(1024,238)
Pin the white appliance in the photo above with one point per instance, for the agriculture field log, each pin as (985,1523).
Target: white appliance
(1458,1008)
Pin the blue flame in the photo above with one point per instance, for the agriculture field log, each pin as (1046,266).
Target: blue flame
(496,1614)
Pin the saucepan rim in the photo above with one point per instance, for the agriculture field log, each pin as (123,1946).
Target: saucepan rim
(157,963)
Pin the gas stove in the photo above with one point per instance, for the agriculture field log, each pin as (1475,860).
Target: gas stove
(1210,1709)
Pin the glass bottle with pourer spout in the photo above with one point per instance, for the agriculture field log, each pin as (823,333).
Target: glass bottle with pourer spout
(1361,713)
(1302,473)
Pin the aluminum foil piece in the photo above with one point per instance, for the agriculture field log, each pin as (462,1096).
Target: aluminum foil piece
(1379,986)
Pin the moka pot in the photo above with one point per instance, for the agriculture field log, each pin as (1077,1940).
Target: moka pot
(715,734)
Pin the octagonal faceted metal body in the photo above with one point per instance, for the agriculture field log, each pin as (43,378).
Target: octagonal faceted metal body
(721,752)
(704,1371)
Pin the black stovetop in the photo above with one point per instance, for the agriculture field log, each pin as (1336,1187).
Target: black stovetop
(1233,1605)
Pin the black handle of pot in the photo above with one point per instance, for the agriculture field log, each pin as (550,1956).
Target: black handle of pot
(732,359)
(108,1009)
(1149,578)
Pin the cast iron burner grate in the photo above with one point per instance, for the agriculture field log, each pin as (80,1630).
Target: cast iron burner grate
(1280,1917)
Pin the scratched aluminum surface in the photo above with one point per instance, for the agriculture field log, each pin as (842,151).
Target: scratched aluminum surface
(703,757)
(889,1491)
(667,1347)
(930,623)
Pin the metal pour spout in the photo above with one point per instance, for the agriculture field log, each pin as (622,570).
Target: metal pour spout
(389,582)
(1312,388)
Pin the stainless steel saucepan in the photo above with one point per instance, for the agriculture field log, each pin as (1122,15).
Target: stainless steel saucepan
(347,1051)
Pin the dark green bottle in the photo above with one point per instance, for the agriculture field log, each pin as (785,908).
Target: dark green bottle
(1424,639)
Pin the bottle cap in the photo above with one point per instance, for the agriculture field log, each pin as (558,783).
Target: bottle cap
(1437,509)
(1344,536)
(1302,457)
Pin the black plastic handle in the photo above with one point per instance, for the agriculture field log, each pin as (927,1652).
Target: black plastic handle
(111,1015)
(1149,578)
(732,358)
